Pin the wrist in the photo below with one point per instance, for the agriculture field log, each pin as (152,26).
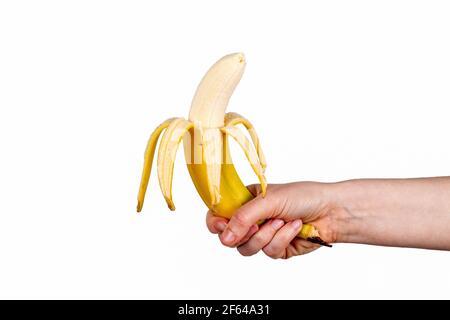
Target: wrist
(348,211)
(391,212)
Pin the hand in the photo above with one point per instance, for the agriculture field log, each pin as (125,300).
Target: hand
(284,208)
(389,212)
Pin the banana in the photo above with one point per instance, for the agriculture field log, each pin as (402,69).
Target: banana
(206,147)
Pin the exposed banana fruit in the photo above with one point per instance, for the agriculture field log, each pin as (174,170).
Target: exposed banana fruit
(206,149)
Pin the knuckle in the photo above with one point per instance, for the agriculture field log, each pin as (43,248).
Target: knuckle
(285,256)
(226,244)
(272,257)
(245,252)
(211,228)
(240,219)
(259,238)
(270,251)
(209,222)
(254,188)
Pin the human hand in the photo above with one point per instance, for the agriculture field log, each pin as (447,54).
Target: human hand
(284,209)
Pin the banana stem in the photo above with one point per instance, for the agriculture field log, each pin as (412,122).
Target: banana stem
(318,240)
(311,234)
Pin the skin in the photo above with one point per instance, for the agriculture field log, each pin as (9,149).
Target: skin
(388,212)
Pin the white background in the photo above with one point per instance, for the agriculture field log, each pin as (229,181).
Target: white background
(336,90)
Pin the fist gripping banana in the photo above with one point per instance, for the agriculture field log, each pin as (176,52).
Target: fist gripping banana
(205,138)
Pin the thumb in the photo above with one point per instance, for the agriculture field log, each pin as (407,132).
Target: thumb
(246,216)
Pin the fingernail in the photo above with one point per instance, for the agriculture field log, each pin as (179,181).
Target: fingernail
(220,226)
(277,224)
(296,224)
(228,237)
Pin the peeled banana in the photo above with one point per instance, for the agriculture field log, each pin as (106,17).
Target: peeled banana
(205,138)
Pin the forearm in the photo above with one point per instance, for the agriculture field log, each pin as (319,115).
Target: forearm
(394,212)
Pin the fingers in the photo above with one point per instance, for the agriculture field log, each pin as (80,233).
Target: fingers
(249,234)
(249,214)
(275,237)
(282,239)
(261,238)
(215,224)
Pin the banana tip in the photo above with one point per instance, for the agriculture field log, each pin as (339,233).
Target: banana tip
(241,57)
(238,55)
(170,204)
